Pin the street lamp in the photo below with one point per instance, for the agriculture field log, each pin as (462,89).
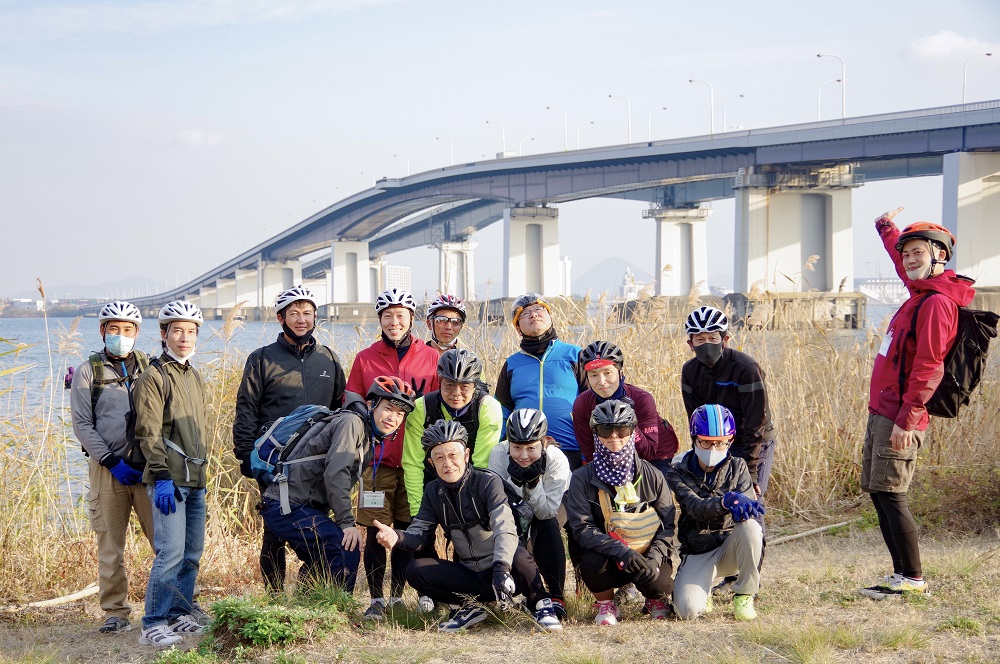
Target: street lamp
(582,124)
(724,110)
(400,156)
(965,72)
(503,134)
(520,146)
(451,147)
(711,104)
(819,97)
(628,110)
(843,81)
(565,126)
(649,122)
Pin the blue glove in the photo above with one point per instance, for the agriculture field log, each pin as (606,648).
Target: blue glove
(736,503)
(165,496)
(754,509)
(126,474)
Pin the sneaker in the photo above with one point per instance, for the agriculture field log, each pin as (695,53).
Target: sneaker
(743,607)
(425,604)
(463,618)
(708,604)
(607,612)
(115,624)
(725,585)
(628,595)
(376,611)
(186,625)
(160,636)
(545,615)
(199,614)
(559,606)
(658,609)
(904,585)
(884,588)
(394,602)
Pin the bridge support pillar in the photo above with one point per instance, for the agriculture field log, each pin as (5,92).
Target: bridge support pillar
(681,251)
(272,278)
(971,206)
(457,272)
(349,276)
(225,293)
(245,287)
(531,251)
(783,220)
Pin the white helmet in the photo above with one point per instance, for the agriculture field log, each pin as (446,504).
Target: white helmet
(706,319)
(395,297)
(296,294)
(120,310)
(180,310)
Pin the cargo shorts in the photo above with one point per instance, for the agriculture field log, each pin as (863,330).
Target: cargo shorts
(884,469)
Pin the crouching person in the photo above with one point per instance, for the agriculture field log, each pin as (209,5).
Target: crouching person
(718,534)
(621,513)
(471,506)
(320,474)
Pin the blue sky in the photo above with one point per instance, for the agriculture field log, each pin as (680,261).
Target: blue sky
(158,139)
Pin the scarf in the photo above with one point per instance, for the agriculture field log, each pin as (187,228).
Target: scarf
(619,394)
(615,468)
(536,345)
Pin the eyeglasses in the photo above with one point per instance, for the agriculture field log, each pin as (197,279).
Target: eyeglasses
(713,444)
(607,430)
(447,319)
(534,311)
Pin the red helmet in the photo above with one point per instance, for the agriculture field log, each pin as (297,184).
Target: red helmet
(928,231)
(395,390)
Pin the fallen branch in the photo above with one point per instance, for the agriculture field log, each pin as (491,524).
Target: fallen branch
(65,599)
(814,531)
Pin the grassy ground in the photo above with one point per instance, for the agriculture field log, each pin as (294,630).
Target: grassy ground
(808,605)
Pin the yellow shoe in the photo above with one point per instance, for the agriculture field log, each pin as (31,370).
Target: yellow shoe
(743,607)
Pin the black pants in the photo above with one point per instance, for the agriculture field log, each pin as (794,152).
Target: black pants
(375,560)
(602,574)
(899,531)
(545,543)
(451,582)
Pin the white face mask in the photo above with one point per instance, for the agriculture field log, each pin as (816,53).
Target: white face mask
(711,457)
(119,345)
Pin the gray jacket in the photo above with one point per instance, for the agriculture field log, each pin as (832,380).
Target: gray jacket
(547,495)
(102,429)
(326,484)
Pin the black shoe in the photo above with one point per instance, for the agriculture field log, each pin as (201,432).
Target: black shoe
(114,624)
(463,618)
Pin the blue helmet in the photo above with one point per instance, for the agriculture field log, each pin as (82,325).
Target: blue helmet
(712,421)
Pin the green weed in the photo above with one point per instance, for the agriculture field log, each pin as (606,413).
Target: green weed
(967,626)
(906,637)
(256,622)
(174,656)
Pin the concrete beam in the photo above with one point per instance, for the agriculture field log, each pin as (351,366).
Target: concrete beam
(531,251)
(971,207)
(681,251)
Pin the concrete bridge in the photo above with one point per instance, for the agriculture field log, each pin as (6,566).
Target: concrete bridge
(792,186)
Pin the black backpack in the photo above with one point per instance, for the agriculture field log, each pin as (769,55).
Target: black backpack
(964,363)
(134,455)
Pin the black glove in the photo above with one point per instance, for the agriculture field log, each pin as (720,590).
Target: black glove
(650,570)
(529,476)
(245,467)
(419,389)
(503,585)
(631,561)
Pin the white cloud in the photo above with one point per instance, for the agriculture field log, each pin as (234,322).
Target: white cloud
(946,44)
(198,138)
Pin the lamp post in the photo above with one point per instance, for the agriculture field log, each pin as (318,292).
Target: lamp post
(503,134)
(520,146)
(819,97)
(725,104)
(628,110)
(565,125)
(711,104)
(649,122)
(451,147)
(965,71)
(843,81)
(401,156)
(582,124)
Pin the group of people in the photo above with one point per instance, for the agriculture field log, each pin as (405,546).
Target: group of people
(565,458)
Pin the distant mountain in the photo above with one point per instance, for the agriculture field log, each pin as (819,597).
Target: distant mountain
(607,276)
(121,289)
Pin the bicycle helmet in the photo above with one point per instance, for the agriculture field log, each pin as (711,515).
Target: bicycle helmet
(295,294)
(444,431)
(526,425)
(120,310)
(460,365)
(601,354)
(525,301)
(713,422)
(447,301)
(399,393)
(395,297)
(613,413)
(180,310)
(706,319)
(938,236)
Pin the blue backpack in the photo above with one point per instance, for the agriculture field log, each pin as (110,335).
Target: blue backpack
(272,451)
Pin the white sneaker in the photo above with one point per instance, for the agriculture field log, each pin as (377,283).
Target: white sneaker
(545,616)
(187,625)
(425,604)
(607,612)
(160,636)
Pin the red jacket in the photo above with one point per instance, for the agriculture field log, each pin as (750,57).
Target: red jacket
(937,324)
(653,440)
(418,368)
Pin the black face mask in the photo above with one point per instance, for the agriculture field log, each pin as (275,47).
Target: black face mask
(708,354)
(521,476)
(296,339)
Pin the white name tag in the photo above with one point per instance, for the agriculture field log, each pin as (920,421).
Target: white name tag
(883,350)
(373,499)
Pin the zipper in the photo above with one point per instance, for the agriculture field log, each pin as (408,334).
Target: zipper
(541,374)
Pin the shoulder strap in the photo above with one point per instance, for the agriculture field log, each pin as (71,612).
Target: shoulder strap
(432,408)
(167,390)
(911,333)
(96,382)
(605,501)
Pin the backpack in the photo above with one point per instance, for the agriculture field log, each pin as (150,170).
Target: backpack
(964,363)
(134,456)
(133,450)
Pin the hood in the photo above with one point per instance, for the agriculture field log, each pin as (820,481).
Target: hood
(956,287)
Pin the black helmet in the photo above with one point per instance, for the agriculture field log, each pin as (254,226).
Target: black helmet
(525,301)
(444,431)
(395,390)
(613,413)
(602,350)
(526,425)
(460,365)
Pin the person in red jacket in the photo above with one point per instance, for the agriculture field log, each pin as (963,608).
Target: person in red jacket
(655,440)
(907,370)
(383,494)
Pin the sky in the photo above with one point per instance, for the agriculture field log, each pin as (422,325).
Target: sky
(154,140)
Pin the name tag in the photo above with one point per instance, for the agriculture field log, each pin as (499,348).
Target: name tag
(373,499)
(883,350)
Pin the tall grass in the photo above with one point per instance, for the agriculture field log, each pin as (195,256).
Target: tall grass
(817,385)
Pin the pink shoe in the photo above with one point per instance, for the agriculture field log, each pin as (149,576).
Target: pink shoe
(607,612)
(658,609)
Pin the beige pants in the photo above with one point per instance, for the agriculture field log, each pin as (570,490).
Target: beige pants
(111,506)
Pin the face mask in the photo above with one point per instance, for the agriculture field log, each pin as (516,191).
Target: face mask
(711,457)
(119,345)
(920,273)
(708,354)
(296,339)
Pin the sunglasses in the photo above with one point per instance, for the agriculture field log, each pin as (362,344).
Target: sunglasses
(447,319)
(606,430)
